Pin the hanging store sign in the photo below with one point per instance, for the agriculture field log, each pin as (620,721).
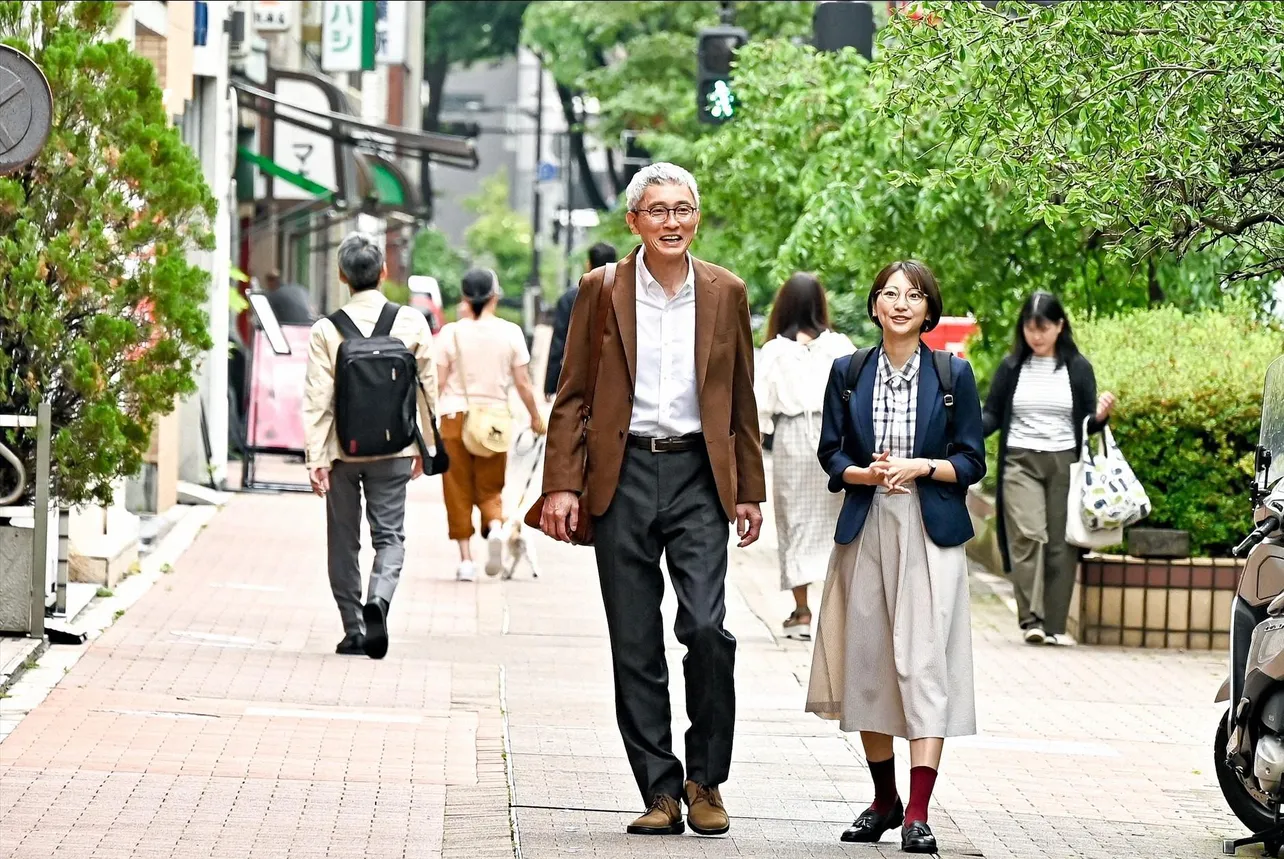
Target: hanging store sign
(390,33)
(348,35)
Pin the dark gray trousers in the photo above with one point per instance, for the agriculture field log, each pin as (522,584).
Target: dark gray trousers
(384,484)
(667,503)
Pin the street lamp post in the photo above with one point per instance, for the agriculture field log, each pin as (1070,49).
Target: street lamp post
(530,301)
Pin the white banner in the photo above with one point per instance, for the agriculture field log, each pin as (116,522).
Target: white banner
(390,33)
(341,36)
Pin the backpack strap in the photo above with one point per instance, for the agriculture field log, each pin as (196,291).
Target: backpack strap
(854,367)
(945,375)
(347,328)
(387,317)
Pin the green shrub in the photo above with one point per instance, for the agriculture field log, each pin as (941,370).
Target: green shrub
(395,292)
(1189,389)
(101,313)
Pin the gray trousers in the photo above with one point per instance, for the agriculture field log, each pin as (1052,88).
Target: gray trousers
(667,503)
(1035,488)
(384,484)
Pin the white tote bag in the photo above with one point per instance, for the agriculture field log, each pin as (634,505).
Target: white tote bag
(1087,524)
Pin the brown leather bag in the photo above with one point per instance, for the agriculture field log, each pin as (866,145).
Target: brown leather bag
(582,535)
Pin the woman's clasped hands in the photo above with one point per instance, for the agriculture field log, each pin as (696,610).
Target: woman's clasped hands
(891,472)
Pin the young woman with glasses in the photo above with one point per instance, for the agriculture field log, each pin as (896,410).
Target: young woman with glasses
(893,655)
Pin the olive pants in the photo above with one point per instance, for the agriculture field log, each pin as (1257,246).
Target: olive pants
(1035,487)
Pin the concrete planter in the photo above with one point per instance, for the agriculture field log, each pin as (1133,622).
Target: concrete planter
(1157,602)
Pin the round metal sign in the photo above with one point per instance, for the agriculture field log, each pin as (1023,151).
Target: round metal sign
(26,109)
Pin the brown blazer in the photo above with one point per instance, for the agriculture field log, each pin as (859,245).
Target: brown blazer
(724,375)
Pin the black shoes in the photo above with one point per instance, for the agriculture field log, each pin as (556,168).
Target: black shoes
(375,614)
(918,838)
(352,645)
(871,825)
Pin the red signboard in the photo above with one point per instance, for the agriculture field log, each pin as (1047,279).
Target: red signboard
(275,419)
(951,334)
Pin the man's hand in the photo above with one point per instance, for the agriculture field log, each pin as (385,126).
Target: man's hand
(560,516)
(320,480)
(416,467)
(748,523)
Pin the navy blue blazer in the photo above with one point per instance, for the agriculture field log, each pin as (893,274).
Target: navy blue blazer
(847,438)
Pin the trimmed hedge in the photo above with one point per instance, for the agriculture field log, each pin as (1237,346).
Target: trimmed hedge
(1189,412)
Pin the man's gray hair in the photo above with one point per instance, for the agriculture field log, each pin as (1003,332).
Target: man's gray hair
(659,173)
(361,260)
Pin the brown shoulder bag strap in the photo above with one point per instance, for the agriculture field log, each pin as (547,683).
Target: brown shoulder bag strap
(599,334)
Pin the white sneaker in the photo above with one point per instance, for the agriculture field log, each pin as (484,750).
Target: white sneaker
(1035,635)
(495,549)
(1061,639)
(467,572)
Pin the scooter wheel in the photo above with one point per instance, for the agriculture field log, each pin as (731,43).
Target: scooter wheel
(1250,812)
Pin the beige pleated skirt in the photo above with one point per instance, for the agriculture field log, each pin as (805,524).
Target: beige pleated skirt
(893,651)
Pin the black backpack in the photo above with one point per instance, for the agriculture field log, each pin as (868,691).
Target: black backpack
(944,373)
(376,381)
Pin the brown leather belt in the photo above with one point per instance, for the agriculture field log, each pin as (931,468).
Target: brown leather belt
(673,444)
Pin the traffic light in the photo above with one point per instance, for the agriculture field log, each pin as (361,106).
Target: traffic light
(838,24)
(715,97)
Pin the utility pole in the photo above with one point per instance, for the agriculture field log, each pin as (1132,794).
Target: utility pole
(531,300)
(568,164)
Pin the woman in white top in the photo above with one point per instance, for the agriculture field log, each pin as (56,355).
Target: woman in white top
(793,367)
(1040,399)
(480,358)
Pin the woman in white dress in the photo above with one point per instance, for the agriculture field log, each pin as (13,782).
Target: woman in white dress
(902,439)
(793,366)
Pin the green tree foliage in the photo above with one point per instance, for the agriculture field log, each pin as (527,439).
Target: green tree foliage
(434,255)
(638,59)
(1190,388)
(816,175)
(1159,125)
(500,238)
(100,312)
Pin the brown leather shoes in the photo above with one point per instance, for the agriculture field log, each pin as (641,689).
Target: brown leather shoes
(705,811)
(664,817)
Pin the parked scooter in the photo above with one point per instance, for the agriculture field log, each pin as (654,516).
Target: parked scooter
(1249,749)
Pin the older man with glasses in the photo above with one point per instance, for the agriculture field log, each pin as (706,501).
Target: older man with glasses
(667,420)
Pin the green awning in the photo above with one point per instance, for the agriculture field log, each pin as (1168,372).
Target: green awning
(270,167)
(387,185)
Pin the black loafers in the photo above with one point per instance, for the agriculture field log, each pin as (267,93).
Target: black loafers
(352,645)
(375,614)
(918,838)
(871,825)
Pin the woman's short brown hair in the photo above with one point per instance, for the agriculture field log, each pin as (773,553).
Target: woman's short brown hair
(921,278)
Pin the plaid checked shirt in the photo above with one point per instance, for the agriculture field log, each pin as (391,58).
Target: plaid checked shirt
(895,406)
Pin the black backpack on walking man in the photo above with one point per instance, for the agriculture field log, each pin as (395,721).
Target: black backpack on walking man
(376,380)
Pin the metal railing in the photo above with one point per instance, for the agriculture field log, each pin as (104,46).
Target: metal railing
(41,423)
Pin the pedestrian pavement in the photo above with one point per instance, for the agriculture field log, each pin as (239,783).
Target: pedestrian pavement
(213,719)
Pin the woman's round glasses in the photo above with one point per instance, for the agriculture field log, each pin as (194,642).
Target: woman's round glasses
(890,296)
(684,212)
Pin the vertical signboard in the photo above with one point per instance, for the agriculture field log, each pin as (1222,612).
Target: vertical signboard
(348,35)
(301,150)
(390,33)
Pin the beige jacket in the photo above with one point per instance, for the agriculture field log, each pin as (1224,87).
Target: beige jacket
(323,348)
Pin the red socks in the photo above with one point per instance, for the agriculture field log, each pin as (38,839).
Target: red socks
(884,775)
(922,780)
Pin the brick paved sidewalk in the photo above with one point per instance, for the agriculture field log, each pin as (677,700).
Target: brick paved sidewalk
(214,720)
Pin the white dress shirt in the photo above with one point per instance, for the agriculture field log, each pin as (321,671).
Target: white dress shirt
(665,399)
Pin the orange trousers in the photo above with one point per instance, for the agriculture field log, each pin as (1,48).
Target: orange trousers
(471,481)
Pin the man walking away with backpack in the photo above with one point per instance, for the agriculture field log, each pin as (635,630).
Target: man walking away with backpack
(371,386)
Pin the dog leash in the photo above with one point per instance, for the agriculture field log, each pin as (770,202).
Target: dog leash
(538,448)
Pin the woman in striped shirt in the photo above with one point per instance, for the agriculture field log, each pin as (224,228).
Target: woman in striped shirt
(1039,399)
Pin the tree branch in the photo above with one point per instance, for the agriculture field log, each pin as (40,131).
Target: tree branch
(1244,224)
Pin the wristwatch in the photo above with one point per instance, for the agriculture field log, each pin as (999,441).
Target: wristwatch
(931,469)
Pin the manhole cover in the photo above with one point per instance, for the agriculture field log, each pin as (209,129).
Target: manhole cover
(26,109)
